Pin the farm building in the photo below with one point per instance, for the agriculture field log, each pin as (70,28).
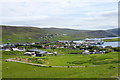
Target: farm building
(30,54)
(86,52)
(39,52)
(7,49)
(18,49)
(52,53)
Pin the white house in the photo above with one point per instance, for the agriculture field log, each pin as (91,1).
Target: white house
(49,53)
(94,41)
(7,49)
(18,49)
(54,53)
(86,52)
(30,54)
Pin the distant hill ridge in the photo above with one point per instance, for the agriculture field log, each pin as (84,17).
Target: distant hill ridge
(34,34)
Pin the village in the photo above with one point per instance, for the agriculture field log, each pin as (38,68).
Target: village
(86,46)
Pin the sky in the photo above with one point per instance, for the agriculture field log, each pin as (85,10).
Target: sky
(73,14)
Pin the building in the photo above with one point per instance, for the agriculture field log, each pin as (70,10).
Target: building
(18,49)
(86,52)
(38,52)
(93,41)
(30,54)
(64,41)
(7,49)
(78,42)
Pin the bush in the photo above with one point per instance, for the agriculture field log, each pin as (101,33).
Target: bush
(116,49)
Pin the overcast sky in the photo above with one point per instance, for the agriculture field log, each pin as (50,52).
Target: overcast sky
(73,14)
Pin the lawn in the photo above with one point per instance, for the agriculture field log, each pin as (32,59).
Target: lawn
(107,70)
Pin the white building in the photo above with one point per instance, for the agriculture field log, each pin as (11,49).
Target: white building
(93,41)
(18,49)
(7,49)
(86,52)
(30,54)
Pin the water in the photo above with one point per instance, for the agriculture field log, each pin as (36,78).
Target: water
(108,38)
(113,44)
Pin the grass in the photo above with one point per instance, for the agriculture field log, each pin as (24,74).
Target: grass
(110,40)
(13,52)
(64,50)
(21,70)
(83,60)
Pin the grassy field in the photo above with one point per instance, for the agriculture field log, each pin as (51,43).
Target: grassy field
(19,70)
(109,40)
(107,70)
(83,60)
(64,50)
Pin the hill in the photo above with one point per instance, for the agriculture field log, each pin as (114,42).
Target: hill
(115,31)
(81,34)
(22,34)
(34,34)
(64,30)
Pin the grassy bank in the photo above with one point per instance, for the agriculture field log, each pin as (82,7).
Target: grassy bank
(110,40)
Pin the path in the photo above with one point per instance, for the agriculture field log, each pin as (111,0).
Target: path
(8,60)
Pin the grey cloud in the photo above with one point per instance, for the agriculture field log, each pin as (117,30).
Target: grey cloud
(110,14)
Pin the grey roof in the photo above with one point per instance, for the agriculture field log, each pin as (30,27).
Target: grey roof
(38,51)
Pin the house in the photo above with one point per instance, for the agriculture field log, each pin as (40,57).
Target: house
(30,54)
(100,52)
(61,47)
(78,42)
(64,41)
(55,53)
(93,41)
(3,45)
(52,53)
(33,43)
(39,52)
(86,52)
(18,49)
(7,49)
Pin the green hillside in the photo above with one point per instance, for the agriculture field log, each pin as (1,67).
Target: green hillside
(115,31)
(81,34)
(32,34)
(24,34)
